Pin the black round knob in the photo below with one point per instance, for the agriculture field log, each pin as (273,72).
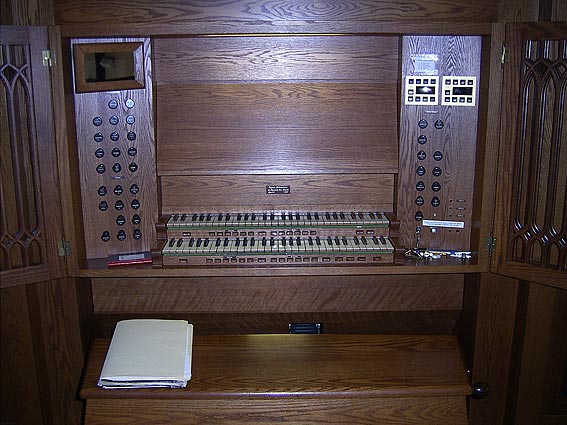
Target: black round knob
(480,390)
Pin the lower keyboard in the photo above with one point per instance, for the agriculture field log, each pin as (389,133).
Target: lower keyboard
(275,251)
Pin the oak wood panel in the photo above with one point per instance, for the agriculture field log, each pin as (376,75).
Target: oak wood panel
(291,294)
(60,354)
(369,411)
(19,367)
(356,368)
(493,347)
(540,349)
(422,322)
(277,128)
(29,12)
(261,16)
(350,192)
(184,60)
(275,151)
(286,105)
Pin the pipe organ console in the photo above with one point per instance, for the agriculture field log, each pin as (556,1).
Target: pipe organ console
(311,166)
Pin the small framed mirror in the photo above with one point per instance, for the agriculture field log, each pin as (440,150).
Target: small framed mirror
(108,66)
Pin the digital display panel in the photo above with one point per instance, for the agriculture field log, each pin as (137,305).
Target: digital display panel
(425,89)
(462,91)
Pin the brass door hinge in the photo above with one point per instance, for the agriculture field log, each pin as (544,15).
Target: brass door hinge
(64,248)
(48,58)
(505,56)
(490,244)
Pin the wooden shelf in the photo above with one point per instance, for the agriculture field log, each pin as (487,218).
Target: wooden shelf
(314,378)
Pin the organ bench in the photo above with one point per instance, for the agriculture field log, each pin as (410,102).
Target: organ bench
(267,379)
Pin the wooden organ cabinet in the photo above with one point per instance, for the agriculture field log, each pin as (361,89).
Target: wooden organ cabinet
(343,177)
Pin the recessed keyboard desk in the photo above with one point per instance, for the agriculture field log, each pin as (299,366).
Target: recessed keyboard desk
(268,379)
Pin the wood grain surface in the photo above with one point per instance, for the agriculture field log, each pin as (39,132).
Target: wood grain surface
(237,376)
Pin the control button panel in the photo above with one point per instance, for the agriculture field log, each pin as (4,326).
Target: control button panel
(422,90)
(458,90)
(438,141)
(116,148)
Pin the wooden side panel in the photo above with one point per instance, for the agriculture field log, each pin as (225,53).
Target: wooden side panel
(19,369)
(540,350)
(351,192)
(493,347)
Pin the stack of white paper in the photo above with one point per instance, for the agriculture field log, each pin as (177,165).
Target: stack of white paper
(148,353)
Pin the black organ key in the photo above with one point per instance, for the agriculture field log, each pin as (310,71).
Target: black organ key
(237,242)
(272,243)
(363,240)
(191,242)
(335,216)
(329,240)
(218,242)
(342,216)
(201,217)
(209,216)
(171,243)
(239,217)
(252,242)
(310,241)
(372,216)
(179,242)
(297,216)
(219,217)
(356,241)
(206,243)
(183,217)
(227,217)
(195,217)
(263,241)
(353,215)
(298,241)
(382,240)
(308,216)
(225,243)
(317,240)
(316,216)
(327,216)
(337,241)
(245,242)
(375,240)
(175,217)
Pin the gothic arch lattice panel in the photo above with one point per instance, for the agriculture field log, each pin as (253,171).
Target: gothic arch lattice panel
(538,231)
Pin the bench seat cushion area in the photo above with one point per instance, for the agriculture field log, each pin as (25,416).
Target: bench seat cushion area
(297,379)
